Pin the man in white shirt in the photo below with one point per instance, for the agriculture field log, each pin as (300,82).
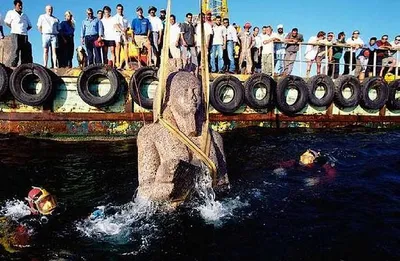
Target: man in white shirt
(156,34)
(280,51)
(1,27)
(218,45)
(268,38)
(256,50)
(231,41)
(20,25)
(208,31)
(121,40)
(48,26)
(174,42)
(356,43)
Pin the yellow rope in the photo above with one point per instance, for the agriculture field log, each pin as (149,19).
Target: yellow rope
(162,82)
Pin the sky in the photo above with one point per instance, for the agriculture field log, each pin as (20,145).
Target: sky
(370,17)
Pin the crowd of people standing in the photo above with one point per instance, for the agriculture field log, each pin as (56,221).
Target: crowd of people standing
(232,49)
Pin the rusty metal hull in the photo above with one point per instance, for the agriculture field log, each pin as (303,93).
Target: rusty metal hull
(68,115)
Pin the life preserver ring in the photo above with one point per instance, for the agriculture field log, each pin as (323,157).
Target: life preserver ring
(393,103)
(382,92)
(4,79)
(226,94)
(347,82)
(140,80)
(25,74)
(325,82)
(291,82)
(256,82)
(91,72)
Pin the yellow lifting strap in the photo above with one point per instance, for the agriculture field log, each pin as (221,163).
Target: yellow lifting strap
(203,152)
(162,80)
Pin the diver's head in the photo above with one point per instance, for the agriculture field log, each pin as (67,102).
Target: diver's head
(41,201)
(309,157)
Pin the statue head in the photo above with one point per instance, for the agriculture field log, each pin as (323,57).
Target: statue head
(184,93)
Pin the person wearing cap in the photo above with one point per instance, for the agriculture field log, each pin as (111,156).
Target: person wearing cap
(231,41)
(189,52)
(155,35)
(209,19)
(163,18)
(256,50)
(279,51)
(246,42)
(384,56)
(49,25)
(92,31)
(121,41)
(292,47)
(218,45)
(141,29)
(268,38)
(356,43)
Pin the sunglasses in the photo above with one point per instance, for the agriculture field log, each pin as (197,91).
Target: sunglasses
(89,13)
(384,38)
(397,39)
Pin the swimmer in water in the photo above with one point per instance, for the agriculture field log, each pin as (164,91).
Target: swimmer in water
(17,234)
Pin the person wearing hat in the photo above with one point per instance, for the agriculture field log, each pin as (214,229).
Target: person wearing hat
(155,35)
(355,43)
(279,50)
(247,41)
(121,41)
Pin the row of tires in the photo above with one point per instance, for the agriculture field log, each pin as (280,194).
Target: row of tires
(19,81)
(273,93)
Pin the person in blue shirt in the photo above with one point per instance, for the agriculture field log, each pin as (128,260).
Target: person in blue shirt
(91,36)
(141,29)
(66,41)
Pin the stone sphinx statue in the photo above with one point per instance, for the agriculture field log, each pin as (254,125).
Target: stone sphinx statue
(160,153)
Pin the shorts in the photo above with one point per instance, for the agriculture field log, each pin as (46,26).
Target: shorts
(141,41)
(121,39)
(49,40)
(109,43)
(387,61)
(175,51)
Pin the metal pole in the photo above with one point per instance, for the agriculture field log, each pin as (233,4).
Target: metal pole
(351,61)
(326,59)
(397,65)
(301,66)
(273,59)
(374,68)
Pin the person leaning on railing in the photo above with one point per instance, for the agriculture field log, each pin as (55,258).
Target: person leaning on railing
(292,47)
(350,54)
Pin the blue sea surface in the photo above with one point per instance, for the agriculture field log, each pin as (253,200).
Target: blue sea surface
(272,212)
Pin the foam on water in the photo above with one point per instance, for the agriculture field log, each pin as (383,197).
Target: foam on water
(211,210)
(15,209)
(123,224)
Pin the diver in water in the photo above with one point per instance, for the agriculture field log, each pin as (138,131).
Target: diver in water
(311,159)
(17,234)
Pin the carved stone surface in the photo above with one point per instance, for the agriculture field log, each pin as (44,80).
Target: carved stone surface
(160,152)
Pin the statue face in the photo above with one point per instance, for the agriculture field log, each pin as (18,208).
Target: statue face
(185,93)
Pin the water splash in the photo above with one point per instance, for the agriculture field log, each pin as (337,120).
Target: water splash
(211,210)
(15,209)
